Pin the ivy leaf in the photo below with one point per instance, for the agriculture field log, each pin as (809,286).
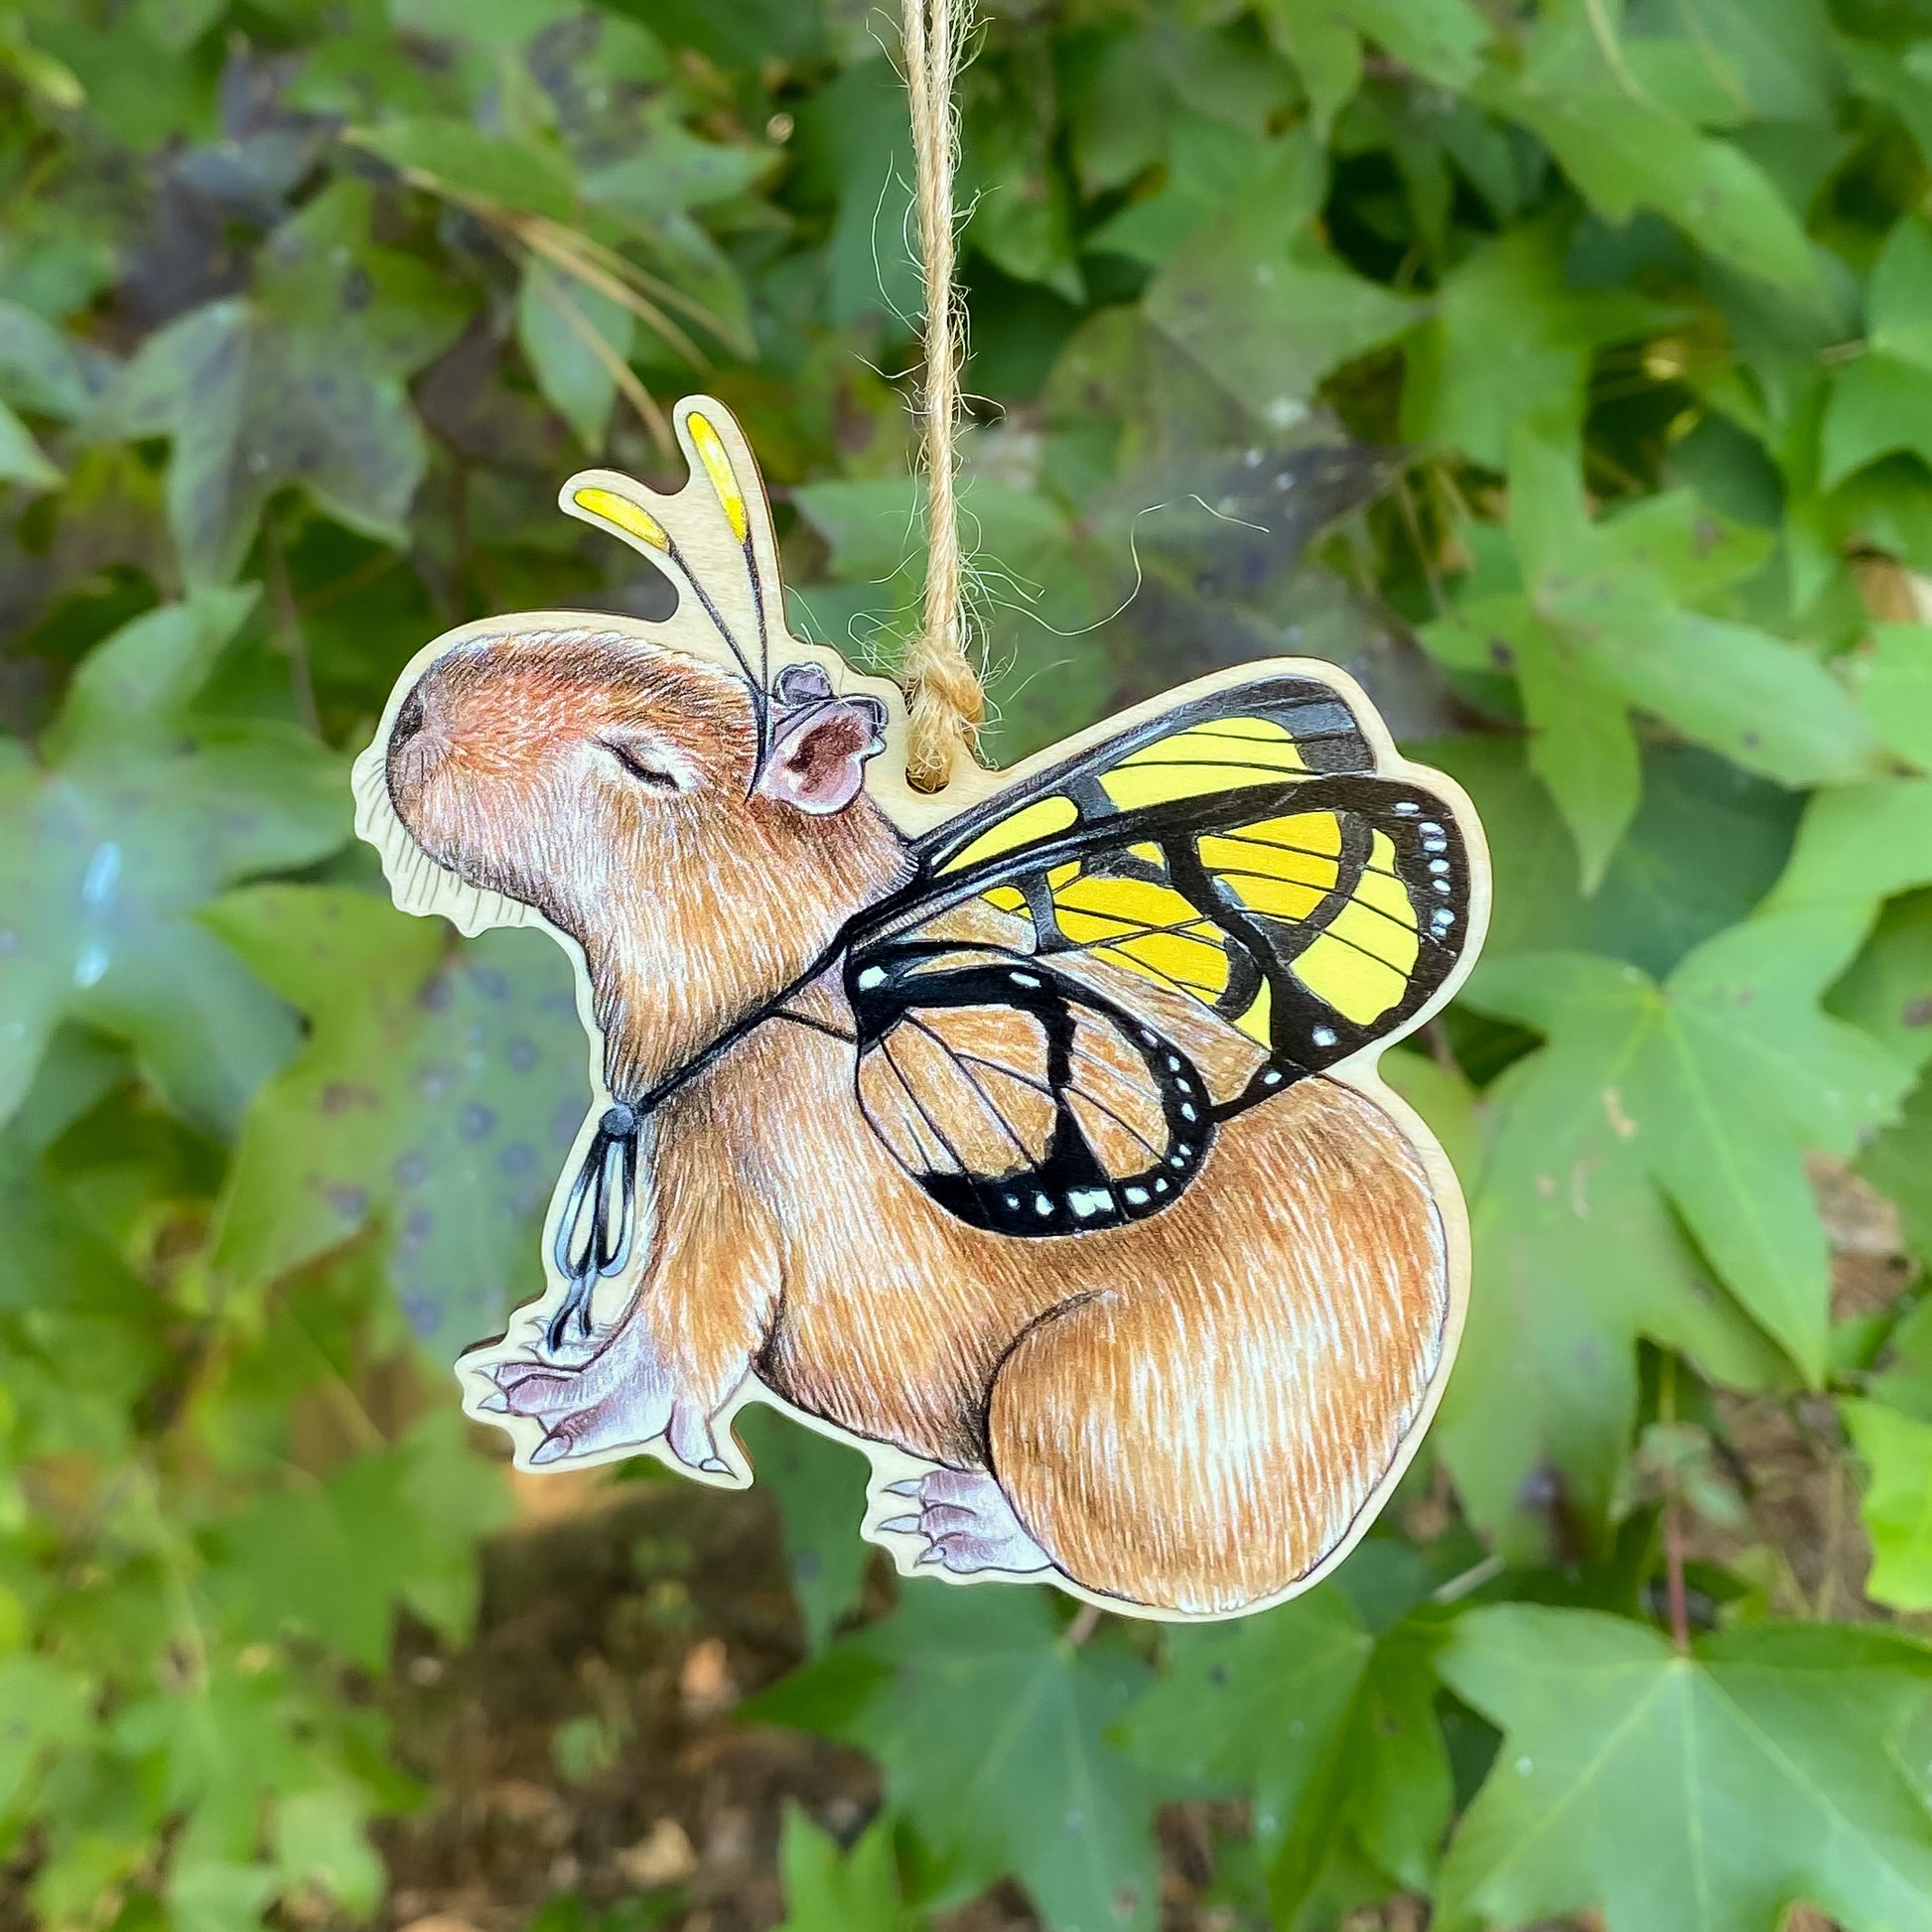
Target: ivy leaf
(46,1707)
(1326,49)
(1327,1727)
(1860,844)
(1441,40)
(1607,622)
(831,1890)
(1460,394)
(439,1090)
(530,177)
(22,460)
(1880,405)
(1898,1164)
(41,370)
(989,1726)
(137,811)
(1723,1076)
(1265,312)
(1021,220)
(561,324)
(322,1841)
(1897,1502)
(397,1525)
(1695,1099)
(299,383)
(820,1486)
(1887,990)
(1704,1793)
(1707,844)
(1894,685)
(1627,149)
(1881,401)
(80,1335)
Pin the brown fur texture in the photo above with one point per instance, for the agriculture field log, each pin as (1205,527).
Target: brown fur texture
(1186,1414)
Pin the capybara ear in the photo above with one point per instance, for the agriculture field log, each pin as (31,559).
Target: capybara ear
(817,760)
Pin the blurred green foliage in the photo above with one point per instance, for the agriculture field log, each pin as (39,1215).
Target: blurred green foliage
(1564,369)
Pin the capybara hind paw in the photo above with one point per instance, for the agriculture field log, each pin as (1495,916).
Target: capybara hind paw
(967,1523)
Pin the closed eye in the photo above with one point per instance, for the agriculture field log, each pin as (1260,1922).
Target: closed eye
(640,766)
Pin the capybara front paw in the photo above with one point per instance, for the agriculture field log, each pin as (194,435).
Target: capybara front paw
(621,1396)
(967,1524)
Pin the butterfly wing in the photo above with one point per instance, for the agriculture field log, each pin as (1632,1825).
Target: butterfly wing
(1233,870)
(1022,1100)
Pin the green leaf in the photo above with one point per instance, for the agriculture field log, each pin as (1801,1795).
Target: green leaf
(304,383)
(1898,1163)
(831,1890)
(1441,40)
(43,1708)
(1263,312)
(21,458)
(1887,990)
(394,1526)
(990,1728)
(140,812)
(1707,844)
(1897,1504)
(1880,405)
(489,23)
(820,1486)
(1860,844)
(1327,1728)
(438,1093)
(1604,623)
(179,23)
(1462,395)
(1689,1794)
(1021,218)
(1723,1076)
(1692,1099)
(1325,48)
(39,368)
(1780,62)
(560,322)
(673,172)
(1893,681)
(1582,747)
(529,176)
(320,1841)
(1625,149)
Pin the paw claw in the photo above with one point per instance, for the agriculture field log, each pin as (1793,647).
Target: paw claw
(553,1448)
(496,1403)
(967,1524)
(716,1466)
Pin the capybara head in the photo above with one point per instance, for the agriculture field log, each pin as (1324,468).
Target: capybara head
(700,841)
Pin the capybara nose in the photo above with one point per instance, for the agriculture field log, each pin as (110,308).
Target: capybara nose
(411,718)
(418,740)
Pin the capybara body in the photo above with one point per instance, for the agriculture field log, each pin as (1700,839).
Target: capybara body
(1186,1414)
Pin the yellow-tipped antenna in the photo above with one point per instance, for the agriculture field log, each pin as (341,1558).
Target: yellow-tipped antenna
(629,515)
(602,497)
(710,446)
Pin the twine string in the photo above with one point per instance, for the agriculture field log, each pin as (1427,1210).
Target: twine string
(944,700)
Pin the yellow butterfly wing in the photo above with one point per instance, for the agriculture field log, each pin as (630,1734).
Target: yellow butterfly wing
(1240,858)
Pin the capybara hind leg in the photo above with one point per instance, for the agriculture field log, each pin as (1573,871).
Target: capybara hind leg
(1199,1448)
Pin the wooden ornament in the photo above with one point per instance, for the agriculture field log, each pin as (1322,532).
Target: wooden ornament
(1025,1134)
